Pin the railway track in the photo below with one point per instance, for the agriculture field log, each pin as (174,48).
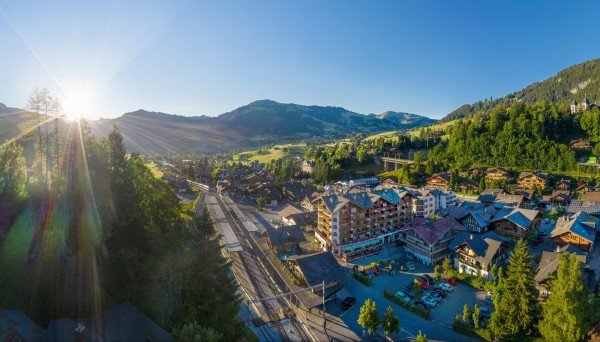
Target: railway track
(251,259)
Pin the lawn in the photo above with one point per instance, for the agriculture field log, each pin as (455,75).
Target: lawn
(155,171)
(275,153)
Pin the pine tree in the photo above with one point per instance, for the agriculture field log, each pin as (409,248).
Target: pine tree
(368,318)
(515,298)
(566,312)
(390,322)
(421,337)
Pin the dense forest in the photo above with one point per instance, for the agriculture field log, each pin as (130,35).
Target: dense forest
(575,82)
(524,137)
(91,227)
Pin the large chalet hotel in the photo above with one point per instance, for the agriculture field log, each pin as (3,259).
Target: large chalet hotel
(358,223)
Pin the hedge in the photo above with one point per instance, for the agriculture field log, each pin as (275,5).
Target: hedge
(362,278)
(469,330)
(474,281)
(407,305)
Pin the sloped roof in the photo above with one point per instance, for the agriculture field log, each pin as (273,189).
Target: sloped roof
(290,210)
(16,326)
(592,207)
(125,322)
(581,224)
(519,216)
(388,195)
(485,248)
(540,175)
(501,169)
(492,191)
(281,234)
(317,267)
(510,199)
(444,175)
(549,264)
(431,231)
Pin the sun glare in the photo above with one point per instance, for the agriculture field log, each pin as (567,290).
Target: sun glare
(77,104)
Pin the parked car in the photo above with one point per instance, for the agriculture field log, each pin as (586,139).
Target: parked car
(451,281)
(436,296)
(410,266)
(430,301)
(408,288)
(445,286)
(429,279)
(423,283)
(488,299)
(348,303)
(403,296)
(441,292)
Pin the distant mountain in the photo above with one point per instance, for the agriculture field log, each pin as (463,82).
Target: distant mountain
(575,82)
(405,118)
(260,122)
(11,120)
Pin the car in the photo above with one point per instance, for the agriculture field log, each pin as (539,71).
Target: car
(436,296)
(423,283)
(488,299)
(451,281)
(408,288)
(403,296)
(430,301)
(348,303)
(410,266)
(445,286)
(429,279)
(441,292)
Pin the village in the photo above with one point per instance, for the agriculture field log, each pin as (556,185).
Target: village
(427,250)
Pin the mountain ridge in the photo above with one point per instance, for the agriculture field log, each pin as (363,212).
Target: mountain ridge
(259,122)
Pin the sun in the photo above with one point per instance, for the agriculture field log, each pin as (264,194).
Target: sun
(77,104)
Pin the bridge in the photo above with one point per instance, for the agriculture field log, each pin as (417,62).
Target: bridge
(394,160)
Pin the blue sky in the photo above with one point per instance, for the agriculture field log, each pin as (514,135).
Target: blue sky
(207,57)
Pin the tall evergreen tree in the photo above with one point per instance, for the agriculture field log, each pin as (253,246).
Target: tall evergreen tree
(390,322)
(368,317)
(516,297)
(569,311)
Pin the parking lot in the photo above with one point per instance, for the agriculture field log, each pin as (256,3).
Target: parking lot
(442,314)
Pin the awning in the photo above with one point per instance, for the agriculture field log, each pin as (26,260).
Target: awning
(361,244)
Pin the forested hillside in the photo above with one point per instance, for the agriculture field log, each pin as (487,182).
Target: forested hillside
(575,82)
(522,136)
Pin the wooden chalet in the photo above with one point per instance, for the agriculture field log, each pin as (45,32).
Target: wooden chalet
(497,174)
(580,144)
(577,230)
(532,180)
(439,181)
(516,223)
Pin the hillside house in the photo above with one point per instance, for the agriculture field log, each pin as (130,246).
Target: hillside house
(577,230)
(580,144)
(284,239)
(497,174)
(439,181)
(532,180)
(516,223)
(428,240)
(477,254)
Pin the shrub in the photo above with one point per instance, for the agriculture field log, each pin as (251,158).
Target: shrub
(362,278)
(409,306)
(469,330)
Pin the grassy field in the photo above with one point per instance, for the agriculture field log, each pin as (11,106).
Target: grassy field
(155,171)
(274,153)
(388,134)
(435,127)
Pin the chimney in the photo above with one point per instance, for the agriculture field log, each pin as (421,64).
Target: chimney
(80,332)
